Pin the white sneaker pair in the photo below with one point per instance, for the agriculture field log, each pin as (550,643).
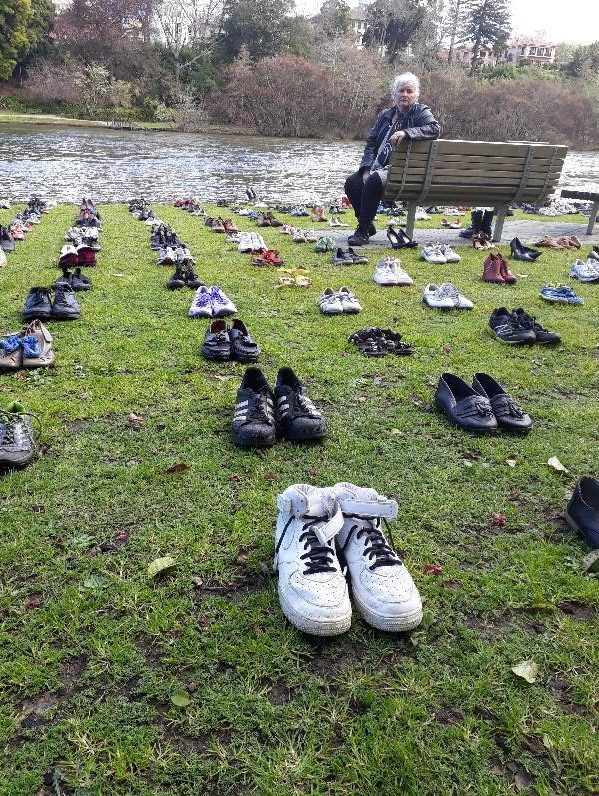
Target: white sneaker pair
(389,272)
(439,254)
(314,526)
(585,271)
(251,242)
(445,297)
(335,303)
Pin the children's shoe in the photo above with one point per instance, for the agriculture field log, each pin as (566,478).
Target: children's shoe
(299,419)
(312,588)
(254,424)
(11,352)
(382,588)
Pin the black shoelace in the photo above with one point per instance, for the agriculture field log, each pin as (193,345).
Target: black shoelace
(377,547)
(318,557)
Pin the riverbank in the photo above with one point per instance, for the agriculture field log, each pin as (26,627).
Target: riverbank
(9,117)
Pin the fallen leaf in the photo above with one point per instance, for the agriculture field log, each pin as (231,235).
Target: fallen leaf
(590,563)
(312,473)
(511,462)
(452,584)
(120,537)
(33,601)
(527,670)
(197,583)
(218,377)
(556,464)
(395,431)
(202,621)
(180,698)
(21,376)
(177,468)
(161,565)
(467,463)
(234,477)
(270,477)
(498,519)
(433,569)
(135,421)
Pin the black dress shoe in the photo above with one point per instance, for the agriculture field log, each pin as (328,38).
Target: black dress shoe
(508,412)
(582,512)
(524,253)
(217,343)
(243,347)
(463,405)
(299,419)
(65,306)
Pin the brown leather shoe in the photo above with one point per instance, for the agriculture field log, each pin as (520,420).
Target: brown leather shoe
(507,275)
(229,226)
(492,269)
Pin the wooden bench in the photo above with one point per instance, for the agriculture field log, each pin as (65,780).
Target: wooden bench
(472,173)
(586,196)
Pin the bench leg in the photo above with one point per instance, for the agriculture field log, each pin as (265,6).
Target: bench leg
(411,220)
(594,211)
(500,214)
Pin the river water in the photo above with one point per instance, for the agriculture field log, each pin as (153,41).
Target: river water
(67,163)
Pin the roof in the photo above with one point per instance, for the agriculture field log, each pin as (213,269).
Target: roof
(530,43)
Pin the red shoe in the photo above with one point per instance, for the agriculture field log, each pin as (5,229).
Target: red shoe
(492,269)
(507,275)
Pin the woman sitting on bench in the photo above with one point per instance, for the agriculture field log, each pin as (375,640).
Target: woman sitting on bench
(407,118)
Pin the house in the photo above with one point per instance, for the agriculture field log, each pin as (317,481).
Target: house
(531,51)
(357,18)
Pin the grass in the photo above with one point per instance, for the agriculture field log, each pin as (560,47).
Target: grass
(92,650)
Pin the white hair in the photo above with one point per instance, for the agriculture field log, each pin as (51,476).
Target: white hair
(405,79)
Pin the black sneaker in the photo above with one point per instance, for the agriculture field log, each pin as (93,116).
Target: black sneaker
(243,347)
(17,441)
(505,327)
(358,239)
(66,280)
(254,423)
(217,343)
(542,335)
(299,419)
(65,306)
(79,281)
(176,280)
(37,304)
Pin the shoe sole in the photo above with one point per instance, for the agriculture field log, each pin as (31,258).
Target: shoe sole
(510,342)
(392,624)
(29,316)
(331,627)
(215,358)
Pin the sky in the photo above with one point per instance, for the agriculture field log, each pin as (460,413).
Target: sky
(574,21)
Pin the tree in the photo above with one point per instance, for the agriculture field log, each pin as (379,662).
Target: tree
(259,24)
(333,19)
(391,25)
(584,62)
(23,24)
(485,23)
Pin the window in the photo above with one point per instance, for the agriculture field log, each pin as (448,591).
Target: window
(533,51)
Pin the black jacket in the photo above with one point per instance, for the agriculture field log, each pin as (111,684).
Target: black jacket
(417,122)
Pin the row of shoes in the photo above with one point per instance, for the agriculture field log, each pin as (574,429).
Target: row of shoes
(29,348)
(262,413)
(211,302)
(191,204)
(376,342)
(484,406)
(172,251)
(57,304)
(21,224)
(519,328)
(229,341)
(439,254)
(141,210)
(330,539)
(83,239)
(338,302)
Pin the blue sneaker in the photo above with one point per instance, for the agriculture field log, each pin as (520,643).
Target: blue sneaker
(560,294)
(201,306)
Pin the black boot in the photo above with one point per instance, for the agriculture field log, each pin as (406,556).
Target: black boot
(485,224)
(476,218)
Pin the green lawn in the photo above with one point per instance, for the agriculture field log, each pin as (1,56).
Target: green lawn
(92,650)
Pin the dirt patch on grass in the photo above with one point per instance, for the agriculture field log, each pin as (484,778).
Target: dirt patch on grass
(278,693)
(560,692)
(151,653)
(244,584)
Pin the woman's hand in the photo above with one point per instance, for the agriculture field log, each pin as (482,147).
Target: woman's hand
(365,174)
(397,137)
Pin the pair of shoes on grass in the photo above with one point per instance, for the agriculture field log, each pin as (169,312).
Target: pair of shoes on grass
(45,303)
(389,273)
(347,257)
(261,413)
(229,341)
(445,297)
(519,328)
(211,302)
(29,348)
(327,539)
(337,302)
(76,280)
(496,269)
(586,270)
(484,406)
(376,342)
(184,276)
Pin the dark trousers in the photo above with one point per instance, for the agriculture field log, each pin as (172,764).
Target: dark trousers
(364,197)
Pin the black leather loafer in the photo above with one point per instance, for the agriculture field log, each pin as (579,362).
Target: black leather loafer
(243,347)
(508,412)
(217,343)
(463,405)
(582,512)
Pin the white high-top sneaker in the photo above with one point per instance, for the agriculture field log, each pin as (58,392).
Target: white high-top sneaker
(312,588)
(382,588)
